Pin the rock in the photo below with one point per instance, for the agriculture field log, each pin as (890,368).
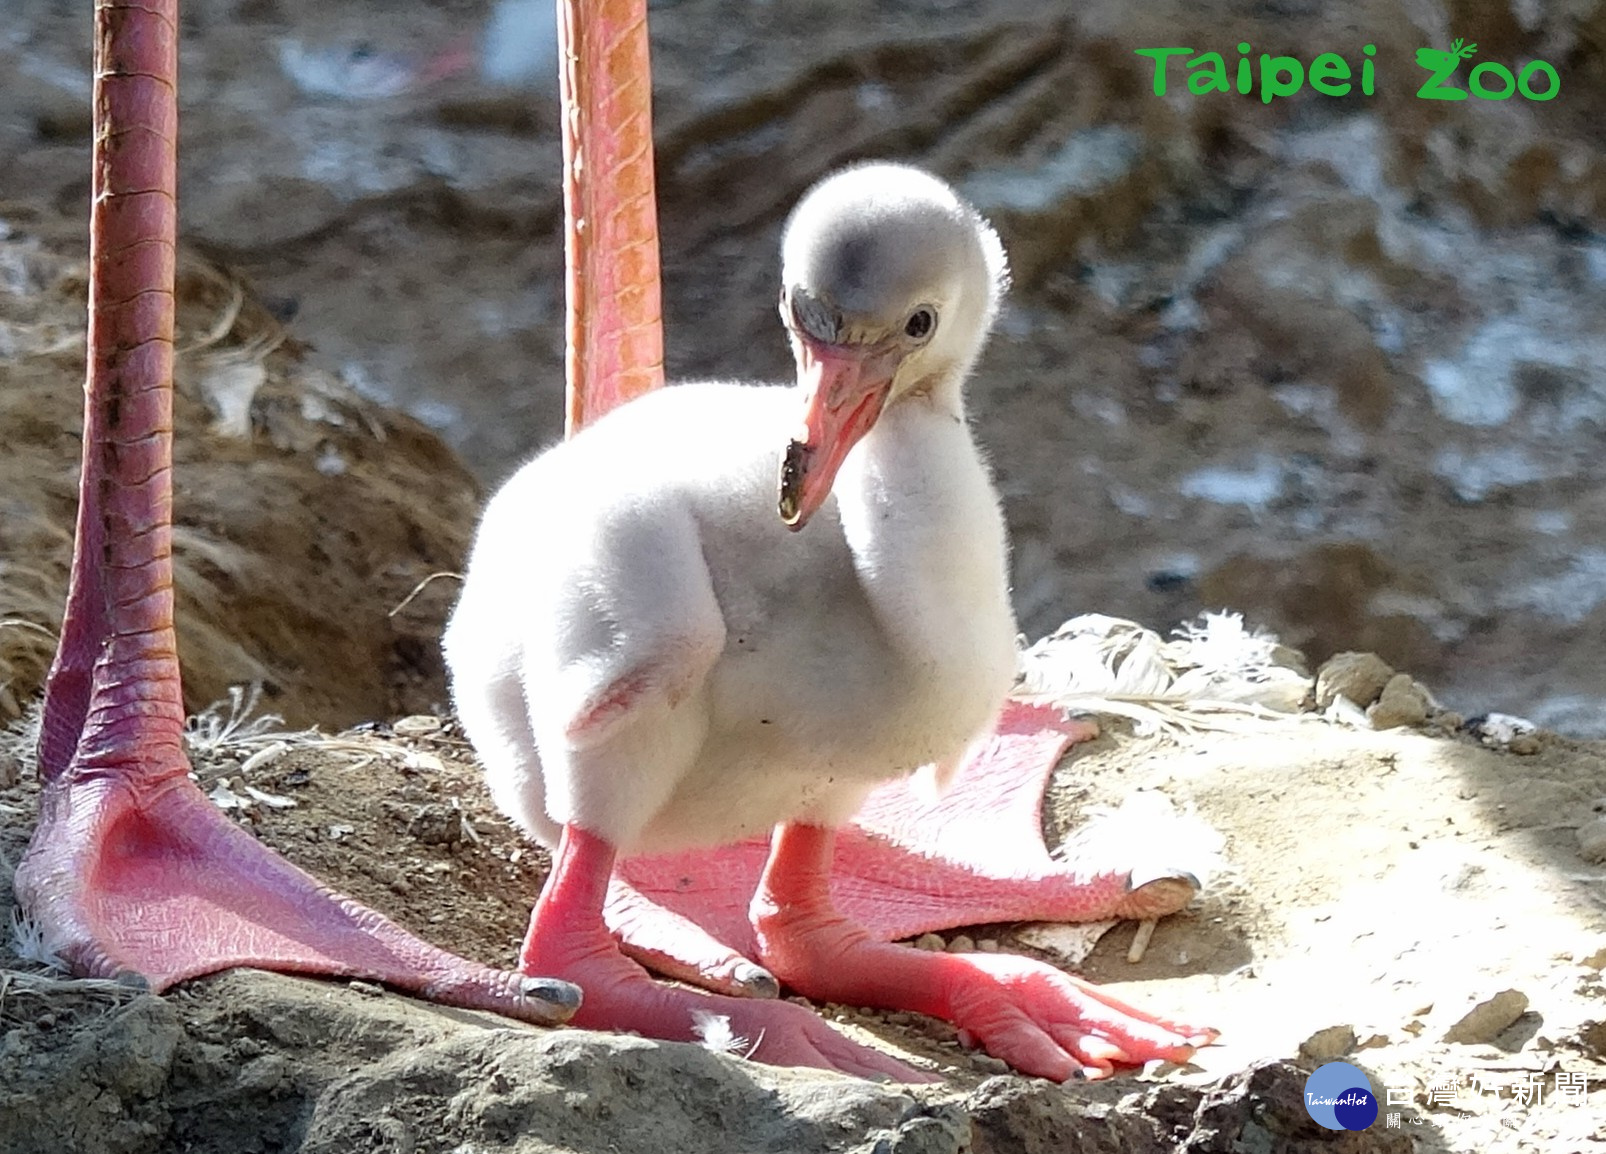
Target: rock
(108,1080)
(418,725)
(1592,841)
(1360,677)
(1402,705)
(1525,744)
(258,1061)
(572,1090)
(1097,185)
(1327,1044)
(437,825)
(1488,1019)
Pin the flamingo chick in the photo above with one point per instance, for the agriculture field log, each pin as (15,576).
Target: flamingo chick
(648,658)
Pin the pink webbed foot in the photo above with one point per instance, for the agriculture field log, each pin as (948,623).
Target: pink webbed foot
(1038,1019)
(568,939)
(910,863)
(134,873)
(677,947)
(1043,1021)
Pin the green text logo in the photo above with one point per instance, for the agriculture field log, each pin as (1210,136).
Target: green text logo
(1332,75)
(1488,81)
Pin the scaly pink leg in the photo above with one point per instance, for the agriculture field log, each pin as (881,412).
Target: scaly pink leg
(568,938)
(1038,1019)
(615,337)
(131,869)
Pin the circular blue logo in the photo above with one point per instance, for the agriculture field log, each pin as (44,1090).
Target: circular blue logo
(1340,1097)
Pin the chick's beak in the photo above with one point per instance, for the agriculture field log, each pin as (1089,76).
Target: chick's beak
(844,387)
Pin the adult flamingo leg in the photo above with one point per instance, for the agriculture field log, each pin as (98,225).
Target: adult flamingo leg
(615,352)
(1038,1019)
(613,300)
(132,871)
(568,938)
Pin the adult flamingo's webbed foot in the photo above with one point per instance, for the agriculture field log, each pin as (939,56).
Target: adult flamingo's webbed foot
(909,862)
(567,938)
(136,874)
(132,871)
(1038,1019)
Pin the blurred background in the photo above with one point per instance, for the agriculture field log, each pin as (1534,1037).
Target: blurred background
(1339,363)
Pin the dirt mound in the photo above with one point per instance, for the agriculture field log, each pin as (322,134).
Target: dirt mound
(304,514)
(1381,886)
(254,1062)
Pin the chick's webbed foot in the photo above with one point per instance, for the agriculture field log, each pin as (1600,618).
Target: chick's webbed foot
(568,939)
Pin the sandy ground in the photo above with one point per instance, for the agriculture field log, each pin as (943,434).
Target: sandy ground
(1380,882)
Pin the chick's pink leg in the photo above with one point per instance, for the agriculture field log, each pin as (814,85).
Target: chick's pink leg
(1037,1018)
(569,939)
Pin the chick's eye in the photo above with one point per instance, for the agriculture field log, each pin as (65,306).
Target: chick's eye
(920,323)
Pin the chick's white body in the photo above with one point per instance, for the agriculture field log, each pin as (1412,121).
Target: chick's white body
(642,648)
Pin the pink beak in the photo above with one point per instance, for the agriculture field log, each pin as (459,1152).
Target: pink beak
(845,388)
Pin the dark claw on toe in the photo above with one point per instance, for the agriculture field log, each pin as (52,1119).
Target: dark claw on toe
(1148,875)
(756,981)
(560,995)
